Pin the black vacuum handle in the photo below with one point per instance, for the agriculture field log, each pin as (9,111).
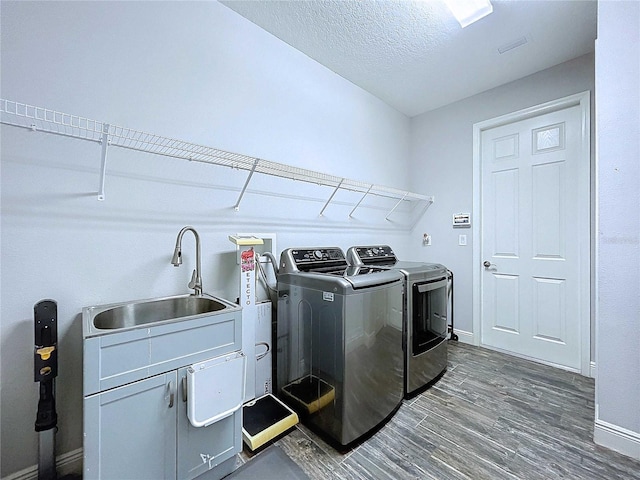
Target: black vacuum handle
(45,322)
(45,361)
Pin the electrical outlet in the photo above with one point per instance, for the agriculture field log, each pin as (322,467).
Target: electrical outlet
(462,240)
(426,239)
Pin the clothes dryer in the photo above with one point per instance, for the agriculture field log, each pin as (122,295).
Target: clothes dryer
(425,324)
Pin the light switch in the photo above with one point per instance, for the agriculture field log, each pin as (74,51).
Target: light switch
(462,240)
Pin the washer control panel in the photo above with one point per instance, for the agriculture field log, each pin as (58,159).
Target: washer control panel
(308,259)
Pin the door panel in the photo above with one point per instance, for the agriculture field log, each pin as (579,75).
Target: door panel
(135,434)
(549,310)
(506,147)
(548,216)
(530,196)
(505,186)
(507,303)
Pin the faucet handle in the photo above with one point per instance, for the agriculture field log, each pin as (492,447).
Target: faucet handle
(194,280)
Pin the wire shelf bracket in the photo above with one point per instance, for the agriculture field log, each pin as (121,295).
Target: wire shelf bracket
(236,207)
(103,163)
(396,205)
(360,201)
(429,202)
(331,197)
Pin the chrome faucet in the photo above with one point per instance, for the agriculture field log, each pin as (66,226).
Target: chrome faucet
(196,279)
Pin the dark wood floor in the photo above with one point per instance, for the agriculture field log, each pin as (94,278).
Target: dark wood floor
(490,416)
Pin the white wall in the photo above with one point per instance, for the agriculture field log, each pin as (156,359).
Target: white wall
(618,241)
(194,71)
(442,164)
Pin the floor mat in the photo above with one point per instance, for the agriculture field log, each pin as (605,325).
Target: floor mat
(268,464)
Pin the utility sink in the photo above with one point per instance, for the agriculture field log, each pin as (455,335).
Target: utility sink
(134,314)
(139,313)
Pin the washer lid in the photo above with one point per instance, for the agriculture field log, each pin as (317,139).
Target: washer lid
(366,277)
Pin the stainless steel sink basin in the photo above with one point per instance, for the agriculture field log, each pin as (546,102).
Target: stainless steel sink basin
(134,314)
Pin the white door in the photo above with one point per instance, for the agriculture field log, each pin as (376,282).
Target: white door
(534,195)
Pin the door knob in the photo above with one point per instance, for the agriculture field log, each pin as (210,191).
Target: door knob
(487,264)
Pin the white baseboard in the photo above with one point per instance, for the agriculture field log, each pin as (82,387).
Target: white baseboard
(465,337)
(592,369)
(70,462)
(617,438)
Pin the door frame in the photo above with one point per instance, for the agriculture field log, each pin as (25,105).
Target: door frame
(584,101)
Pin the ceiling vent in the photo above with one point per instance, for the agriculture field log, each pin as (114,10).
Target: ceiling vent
(511,45)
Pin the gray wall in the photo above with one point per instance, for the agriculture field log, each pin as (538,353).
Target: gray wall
(195,71)
(618,239)
(442,163)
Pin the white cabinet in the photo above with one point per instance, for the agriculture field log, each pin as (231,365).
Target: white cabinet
(143,432)
(135,401)
(130,431)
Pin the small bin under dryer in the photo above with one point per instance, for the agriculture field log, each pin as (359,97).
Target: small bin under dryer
(309,394)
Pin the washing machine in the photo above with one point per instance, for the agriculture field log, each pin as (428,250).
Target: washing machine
(425,324)
(339,359)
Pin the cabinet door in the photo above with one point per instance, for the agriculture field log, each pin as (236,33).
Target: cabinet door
(130,431)
(201,449)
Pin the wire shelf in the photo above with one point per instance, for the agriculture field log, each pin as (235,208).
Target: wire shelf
(54,122)
(50,121)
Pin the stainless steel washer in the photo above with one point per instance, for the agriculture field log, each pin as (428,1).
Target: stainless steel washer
(425,324)
(339,359)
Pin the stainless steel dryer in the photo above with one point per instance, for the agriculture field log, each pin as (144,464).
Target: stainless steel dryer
(339,359)
(425,322)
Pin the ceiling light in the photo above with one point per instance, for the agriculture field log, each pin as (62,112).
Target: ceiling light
(469,11)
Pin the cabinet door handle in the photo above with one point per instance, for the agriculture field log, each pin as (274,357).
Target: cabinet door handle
(171,394)
(184,389)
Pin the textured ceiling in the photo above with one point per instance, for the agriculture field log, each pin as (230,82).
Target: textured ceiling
(413,54)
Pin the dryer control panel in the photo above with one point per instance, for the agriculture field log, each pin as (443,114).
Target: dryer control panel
(372,255)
